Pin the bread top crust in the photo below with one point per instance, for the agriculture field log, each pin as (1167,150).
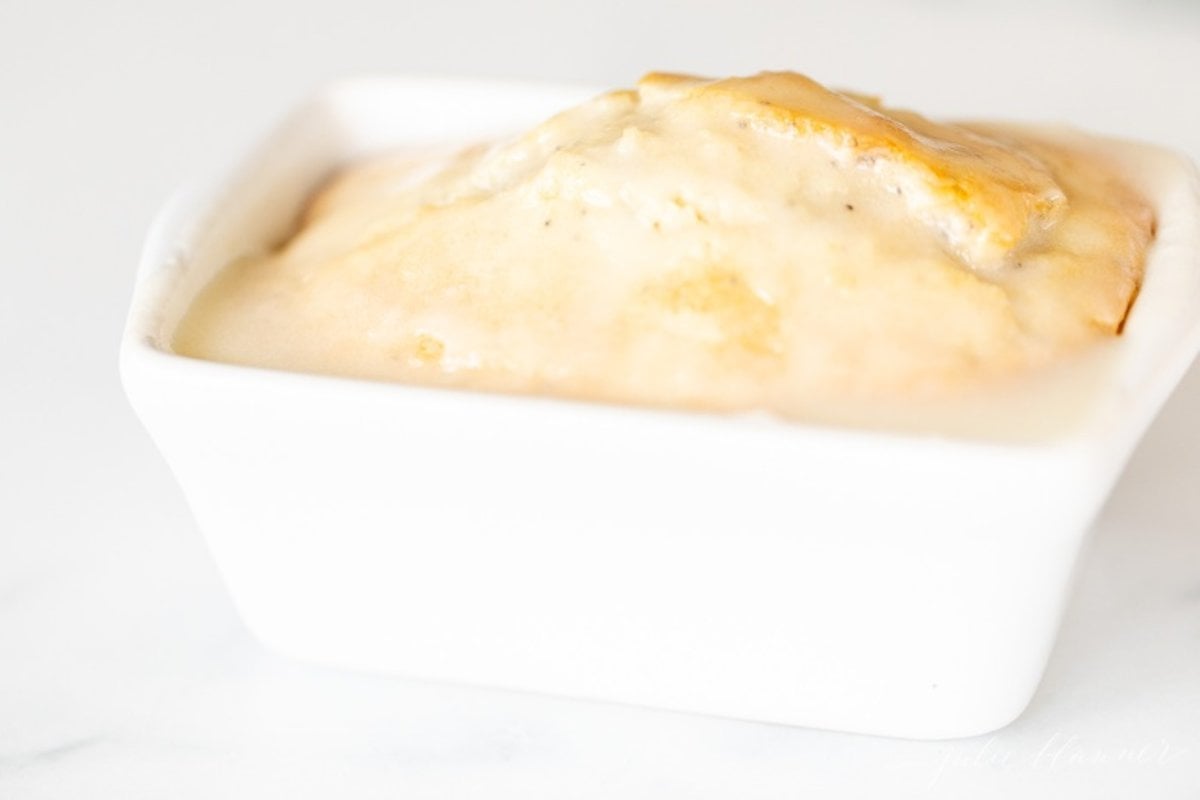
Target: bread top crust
(759,242)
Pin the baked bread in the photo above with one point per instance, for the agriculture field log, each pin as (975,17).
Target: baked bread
(748,243)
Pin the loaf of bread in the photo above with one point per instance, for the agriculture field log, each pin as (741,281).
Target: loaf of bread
(748,243)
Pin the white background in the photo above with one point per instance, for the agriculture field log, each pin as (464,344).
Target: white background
(123,671)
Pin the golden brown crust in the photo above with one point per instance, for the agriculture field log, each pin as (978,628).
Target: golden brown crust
(991,197)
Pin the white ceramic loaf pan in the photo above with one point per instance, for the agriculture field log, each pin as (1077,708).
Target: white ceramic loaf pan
(889,583)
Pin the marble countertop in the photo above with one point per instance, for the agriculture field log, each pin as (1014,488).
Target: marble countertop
(124,671)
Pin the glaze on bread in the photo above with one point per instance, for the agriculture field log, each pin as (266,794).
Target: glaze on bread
(747,243)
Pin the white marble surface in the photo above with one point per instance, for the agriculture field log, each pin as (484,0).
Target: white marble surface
(123,670)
